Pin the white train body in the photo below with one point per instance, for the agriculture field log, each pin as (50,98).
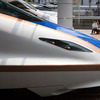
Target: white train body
(25,41)
(30,58)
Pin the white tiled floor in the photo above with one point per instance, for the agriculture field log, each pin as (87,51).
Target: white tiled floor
(84,31)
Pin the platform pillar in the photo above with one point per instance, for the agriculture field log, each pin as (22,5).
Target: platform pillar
(65,13)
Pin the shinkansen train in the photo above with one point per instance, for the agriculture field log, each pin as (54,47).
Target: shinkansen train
(28,7)
(47,61)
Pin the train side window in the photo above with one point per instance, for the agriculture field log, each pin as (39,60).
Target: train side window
(66,45)
(14,11)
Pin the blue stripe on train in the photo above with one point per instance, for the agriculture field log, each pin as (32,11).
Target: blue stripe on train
(71,32)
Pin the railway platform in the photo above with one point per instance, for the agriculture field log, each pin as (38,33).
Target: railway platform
(88,32)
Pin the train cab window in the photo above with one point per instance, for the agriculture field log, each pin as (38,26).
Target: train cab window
(66,45)
(22,5)
(14,11)
(18,4)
